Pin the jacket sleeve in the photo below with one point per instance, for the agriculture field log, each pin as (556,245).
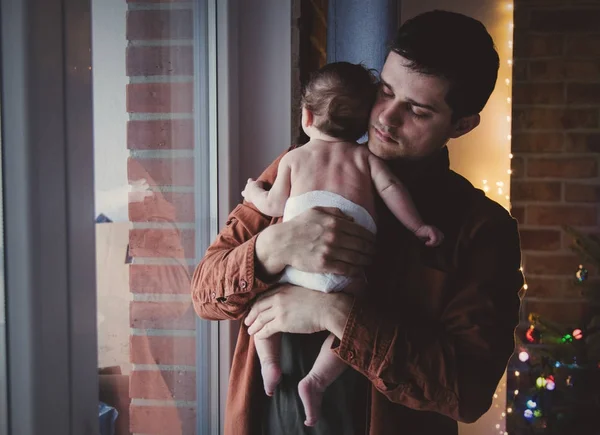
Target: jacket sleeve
(226,281)
(452,367)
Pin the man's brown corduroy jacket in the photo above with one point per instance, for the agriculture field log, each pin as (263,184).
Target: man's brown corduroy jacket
(435,330)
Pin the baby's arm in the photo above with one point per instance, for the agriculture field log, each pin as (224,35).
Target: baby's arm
(398,199)
(271,202)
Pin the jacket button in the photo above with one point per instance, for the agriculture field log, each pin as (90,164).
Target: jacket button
(350,355)
(243,284)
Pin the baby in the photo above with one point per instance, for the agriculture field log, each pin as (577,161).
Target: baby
(331,170)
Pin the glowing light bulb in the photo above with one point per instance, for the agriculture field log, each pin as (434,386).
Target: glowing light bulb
(510,44)
(508,118)
(550,385)
(525,286)
(523,356)
(528,414)
(516,392)
(517,373)
(510,156)
(531,404)
(509,137)
(507,81)
(509,6)
(509,410)
(497,426)
(509,171)
(511,26)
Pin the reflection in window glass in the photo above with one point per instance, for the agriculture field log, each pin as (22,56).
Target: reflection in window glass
(147,173)
(3,357)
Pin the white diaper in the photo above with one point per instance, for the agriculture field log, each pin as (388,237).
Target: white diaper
(325,282)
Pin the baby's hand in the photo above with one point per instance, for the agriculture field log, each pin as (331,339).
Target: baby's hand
(430,235)
(252,188)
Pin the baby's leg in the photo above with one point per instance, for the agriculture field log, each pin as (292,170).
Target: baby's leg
(325,370)
(268,350)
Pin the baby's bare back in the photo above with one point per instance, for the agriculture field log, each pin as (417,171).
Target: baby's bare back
(338,167)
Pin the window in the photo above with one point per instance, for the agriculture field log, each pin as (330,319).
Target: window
(155,209)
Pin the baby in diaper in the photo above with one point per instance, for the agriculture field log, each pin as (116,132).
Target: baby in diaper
(331,170)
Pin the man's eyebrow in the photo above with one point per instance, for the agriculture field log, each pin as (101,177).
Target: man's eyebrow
(410,100)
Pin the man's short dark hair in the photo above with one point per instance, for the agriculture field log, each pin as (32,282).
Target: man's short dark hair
(340,95)
(457,48)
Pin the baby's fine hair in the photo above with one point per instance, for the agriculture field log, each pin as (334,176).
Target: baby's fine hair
(340,96)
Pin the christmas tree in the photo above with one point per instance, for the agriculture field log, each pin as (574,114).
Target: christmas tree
(554,379)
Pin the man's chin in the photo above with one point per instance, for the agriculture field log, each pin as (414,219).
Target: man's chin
(385,151)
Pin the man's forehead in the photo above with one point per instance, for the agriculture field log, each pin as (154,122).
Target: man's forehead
(397,75)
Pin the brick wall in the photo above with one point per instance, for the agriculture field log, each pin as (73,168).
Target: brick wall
(160,139)
(309,52)
(556,140)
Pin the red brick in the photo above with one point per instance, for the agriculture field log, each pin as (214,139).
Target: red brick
(584,46)
(162,172)
(158,350)
(160,24)
(152,242)
(171,134)
(564,265)
(564,69)
(555,119)
(162,385)
(538,93)
(535,190)
(161,207)
(163,420)
(565,313)
(163,61)
(518,213)
(561,215)
(517,166)
(575,192)
(520,71)
(565,20)
(583,93)
(145,278)
(528,45)
(540,240)
(583,142)
(546,288)
(563,167)
(537,142)
(160,98)
(162,315)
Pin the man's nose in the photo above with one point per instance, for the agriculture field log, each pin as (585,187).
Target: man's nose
(391,116)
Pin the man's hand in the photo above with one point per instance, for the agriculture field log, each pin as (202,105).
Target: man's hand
(298,310)
(320,240)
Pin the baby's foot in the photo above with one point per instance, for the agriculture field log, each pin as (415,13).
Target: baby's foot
(311,390)
(271,374)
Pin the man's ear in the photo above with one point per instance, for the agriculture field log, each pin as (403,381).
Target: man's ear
(465,125)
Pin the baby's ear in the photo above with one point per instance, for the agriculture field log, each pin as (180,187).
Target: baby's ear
(307,117)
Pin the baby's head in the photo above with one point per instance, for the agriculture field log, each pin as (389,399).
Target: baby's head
(339,97)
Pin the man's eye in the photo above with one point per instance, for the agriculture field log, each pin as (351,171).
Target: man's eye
(386,92)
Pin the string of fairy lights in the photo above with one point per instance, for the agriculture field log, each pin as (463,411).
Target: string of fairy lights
(500,189)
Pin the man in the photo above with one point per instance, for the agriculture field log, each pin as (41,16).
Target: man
(431,338)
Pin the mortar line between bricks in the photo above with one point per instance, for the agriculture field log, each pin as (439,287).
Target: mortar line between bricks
(137,116)
(162,332)
(162,367)
(161,154)
(164,261)
(159,42)
(160,6)
(133,80)
(163,225)
(161,297)
(161,403)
